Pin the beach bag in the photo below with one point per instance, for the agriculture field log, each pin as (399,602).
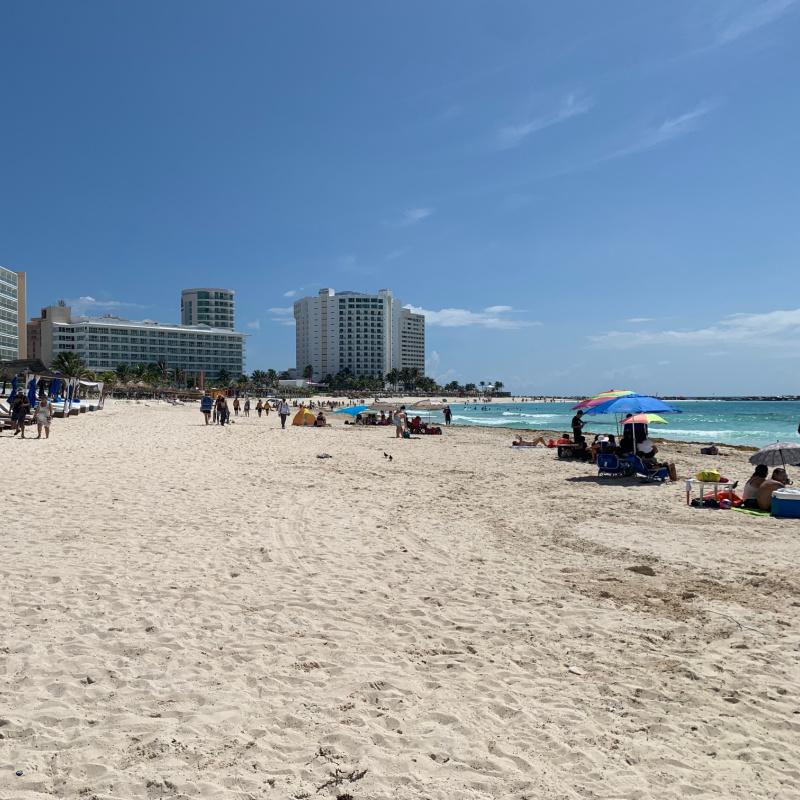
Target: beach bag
(708,476)
(406,435)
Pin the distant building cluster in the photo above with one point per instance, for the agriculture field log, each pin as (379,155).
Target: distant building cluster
(366,334)
(203,347)
(363,334)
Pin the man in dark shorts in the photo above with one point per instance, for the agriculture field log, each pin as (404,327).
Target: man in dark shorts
(577,427)
(20,407)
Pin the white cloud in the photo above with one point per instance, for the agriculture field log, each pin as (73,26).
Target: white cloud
(255,325)
(640,319)
(492,317)
(282,316)
(572,105)
(668,130)
(411,217)
(757,15)
(290,293)
(82,305)
(774,328)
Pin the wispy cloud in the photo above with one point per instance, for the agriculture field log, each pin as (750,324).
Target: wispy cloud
(290,293)
(669,129)
(736,25)
(501,317)
(774,328)
(572,105)
(640,319)
(83,305)
(282,316)
(255,325)
(411,216)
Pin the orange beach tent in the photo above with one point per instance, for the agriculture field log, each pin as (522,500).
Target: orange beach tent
(304,417)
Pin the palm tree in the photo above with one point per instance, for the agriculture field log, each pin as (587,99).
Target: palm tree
(178,376)
(482,385)
(392,377)
(224,378)
(283,376)
(162,369)
(272,378)
(498,385)
(259,379)
(470,388)
(68,363)
(308,372)
(109,377)
(140,371)
(123,372)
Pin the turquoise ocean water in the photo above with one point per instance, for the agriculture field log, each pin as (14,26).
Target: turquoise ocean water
(724,422)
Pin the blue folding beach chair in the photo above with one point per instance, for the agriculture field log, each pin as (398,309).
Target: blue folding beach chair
(650,474)
(610,464)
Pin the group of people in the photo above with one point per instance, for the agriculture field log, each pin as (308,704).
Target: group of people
(20,408)
(757,492)
(217,411)
(403,426)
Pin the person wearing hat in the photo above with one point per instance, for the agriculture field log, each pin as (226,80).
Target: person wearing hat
(20,408)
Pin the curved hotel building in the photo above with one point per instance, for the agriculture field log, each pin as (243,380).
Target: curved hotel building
(212,307)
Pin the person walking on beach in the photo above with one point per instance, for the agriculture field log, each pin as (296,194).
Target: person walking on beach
(577,427)
(400,420)
(44,413)
(20,407)
(448,414)
(207,406)
(283,412)
(222,409)
(236,406)
(247,407)
(259,407)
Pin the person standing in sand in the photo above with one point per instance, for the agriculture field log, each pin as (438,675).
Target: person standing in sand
(577,427)
(283,412)
(400,420)
(207,406)
(259,407)
(44,414)
(247,407)
(236,406)
(20,406)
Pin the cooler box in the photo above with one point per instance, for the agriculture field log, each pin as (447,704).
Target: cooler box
(786,503)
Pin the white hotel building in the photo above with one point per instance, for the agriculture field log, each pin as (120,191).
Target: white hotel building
(366,333)
(103,342)
(13,331)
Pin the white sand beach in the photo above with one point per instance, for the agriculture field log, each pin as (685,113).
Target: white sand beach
(196,612)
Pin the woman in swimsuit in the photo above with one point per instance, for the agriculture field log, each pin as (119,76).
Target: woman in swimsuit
(44,414)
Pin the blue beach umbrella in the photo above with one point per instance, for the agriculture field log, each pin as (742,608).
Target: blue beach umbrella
(351,410)
(55,387)
(634,404)
(13,387)
(32,392)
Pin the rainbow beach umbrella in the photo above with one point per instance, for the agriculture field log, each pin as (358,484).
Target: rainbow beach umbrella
(597,399)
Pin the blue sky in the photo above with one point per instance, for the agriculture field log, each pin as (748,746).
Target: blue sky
(581,195)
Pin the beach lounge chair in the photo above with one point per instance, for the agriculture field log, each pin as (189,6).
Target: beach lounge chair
(649,474)
(610,464)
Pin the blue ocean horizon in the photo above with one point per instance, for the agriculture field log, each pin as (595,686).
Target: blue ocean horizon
(736,422)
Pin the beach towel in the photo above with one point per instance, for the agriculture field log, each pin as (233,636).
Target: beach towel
(756,512)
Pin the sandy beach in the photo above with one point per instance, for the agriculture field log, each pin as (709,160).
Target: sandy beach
(196,612)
